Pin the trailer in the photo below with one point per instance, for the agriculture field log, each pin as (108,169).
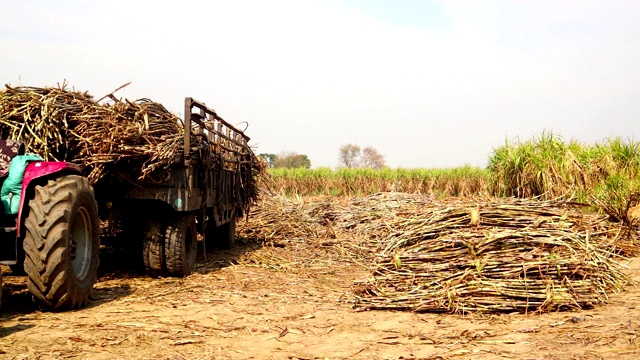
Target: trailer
(198,197)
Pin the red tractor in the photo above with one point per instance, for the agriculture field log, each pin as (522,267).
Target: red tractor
(53,236)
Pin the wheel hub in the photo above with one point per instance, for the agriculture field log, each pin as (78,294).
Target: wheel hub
(80,243)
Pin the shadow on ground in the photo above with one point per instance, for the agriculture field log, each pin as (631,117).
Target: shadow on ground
(117,265)
(122,261)
(212,259)
(17,300)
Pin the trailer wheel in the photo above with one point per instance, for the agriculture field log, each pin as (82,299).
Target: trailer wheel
(180,245)
(61,243)
(153,254)
(223,236)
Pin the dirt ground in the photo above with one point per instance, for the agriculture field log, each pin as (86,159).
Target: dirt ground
(292,302)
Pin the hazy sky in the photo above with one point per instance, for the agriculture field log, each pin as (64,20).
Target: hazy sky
(427,83)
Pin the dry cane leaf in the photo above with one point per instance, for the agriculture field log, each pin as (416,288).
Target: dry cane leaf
(186,341)
(284,332)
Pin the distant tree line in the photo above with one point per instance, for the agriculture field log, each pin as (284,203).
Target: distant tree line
(352,156)
(349,155)
(287,159)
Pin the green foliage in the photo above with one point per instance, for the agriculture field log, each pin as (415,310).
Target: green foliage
(615,194)
(547,166)
(462,181)
(604,174)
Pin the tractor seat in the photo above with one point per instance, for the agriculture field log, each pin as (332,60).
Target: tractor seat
(8,150)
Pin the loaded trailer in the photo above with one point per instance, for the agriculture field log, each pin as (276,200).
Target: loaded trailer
(53,233)
(201,194)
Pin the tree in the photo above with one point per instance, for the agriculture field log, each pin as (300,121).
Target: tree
(351,156)
(371,158)
(269,158)
(348,155)
(291,160)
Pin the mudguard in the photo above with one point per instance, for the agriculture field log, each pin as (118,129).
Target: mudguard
(38,170)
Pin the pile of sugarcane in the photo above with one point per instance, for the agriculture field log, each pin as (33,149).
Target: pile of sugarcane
(141,132)
(464,255)
(495,257)
(279,218)
(136,138)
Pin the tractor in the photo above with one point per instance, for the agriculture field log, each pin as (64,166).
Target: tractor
(49,227)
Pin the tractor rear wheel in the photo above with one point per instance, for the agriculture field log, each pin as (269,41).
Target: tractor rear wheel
(61,243)
(180,245)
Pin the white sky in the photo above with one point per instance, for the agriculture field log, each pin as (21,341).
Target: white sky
(427,83)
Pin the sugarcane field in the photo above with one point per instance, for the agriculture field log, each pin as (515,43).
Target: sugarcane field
(141,234)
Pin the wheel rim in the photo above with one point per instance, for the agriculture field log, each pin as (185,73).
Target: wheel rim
(80,243)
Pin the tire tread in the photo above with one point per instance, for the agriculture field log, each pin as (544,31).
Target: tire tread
(50,275)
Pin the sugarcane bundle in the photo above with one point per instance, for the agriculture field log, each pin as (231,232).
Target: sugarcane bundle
(496,255)
(70,126)
(44,119)
(494,271)
(136,138)
(278,218)
(141,132)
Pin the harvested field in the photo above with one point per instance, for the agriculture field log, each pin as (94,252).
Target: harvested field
(301,287)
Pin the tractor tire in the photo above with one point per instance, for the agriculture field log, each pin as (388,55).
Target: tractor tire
(181,245)
(61,243)
(153,253)
(223,236)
